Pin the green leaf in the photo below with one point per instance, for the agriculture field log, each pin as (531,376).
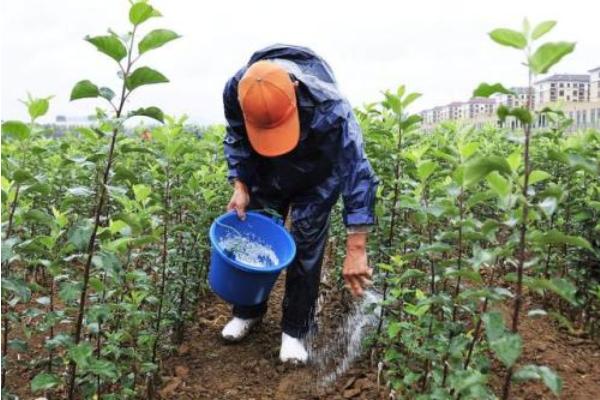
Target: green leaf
(565,289)
(107,261)
(110,45)
(480,167)
(498,184)
(392,102)
(410,121)
(393,329)
(466,273)
(425,169)
(106,93)
(118,244)
(141,192)
(562,287)
(548,55)
(549,377)
(494,325)
(520,113)
(79,234)
(38,107)
(22,176)
(486,90)
(19,344)
(508,348)
(155,39)
(44,381)
(514,160)
(411,273)
(16,286)
(417,310)
(578,162)
(70,292)
(38,216)
(553,237)
(400,91)
(7,248)
(542,28)
(84,89)
(537,176)
(410,98)
(81,353)
(144,76)
(468,149)
(104,369)
(15,128)
(150,112)
(38,187)
(508,37)
(141,11)
(120,227)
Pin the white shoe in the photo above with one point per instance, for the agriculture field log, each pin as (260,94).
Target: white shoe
(292,350)
(238,328)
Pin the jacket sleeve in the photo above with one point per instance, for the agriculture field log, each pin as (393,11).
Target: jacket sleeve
(238,152)
(358,181)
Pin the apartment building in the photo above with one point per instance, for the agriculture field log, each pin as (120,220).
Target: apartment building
(518,99)
(459,110)
(480,107)
(595,84)
(561,88)
(577,95)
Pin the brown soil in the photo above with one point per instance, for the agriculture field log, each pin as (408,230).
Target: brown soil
(251,369)
(576,359)
(208,368)
(205,367)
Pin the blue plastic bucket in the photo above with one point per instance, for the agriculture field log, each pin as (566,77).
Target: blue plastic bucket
(239,283)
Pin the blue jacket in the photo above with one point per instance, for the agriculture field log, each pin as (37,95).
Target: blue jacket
(329,158)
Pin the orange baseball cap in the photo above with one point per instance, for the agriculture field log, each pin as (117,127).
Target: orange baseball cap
(268,99)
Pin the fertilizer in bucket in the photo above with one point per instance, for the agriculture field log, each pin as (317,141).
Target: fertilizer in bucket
(248,250)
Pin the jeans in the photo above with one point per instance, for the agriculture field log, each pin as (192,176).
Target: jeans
(303,274)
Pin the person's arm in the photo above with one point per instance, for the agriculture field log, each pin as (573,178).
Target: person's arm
(359,185)
(238,152)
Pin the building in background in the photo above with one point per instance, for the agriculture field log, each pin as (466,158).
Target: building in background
(518,99)
(595,84)
(577,95)
(563,88)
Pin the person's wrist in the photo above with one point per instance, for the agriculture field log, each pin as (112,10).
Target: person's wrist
(239,185)
(356,242)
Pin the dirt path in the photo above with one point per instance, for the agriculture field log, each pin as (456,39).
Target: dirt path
(208,368)
(575,359)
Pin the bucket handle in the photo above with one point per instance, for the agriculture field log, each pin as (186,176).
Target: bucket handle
(228,227)
(275,216)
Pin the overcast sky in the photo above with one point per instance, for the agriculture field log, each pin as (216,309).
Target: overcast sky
(437,47)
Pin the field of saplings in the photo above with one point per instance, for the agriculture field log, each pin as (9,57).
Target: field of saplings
(105,250)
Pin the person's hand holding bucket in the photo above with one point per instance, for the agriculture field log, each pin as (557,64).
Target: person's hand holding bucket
(239,200)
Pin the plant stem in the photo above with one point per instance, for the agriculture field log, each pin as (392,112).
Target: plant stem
(457,287)
(97,214)
(397,176)
(163,261)
(5,270)
(522,239)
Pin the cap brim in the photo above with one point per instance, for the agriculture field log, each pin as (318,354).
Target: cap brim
(276,141)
